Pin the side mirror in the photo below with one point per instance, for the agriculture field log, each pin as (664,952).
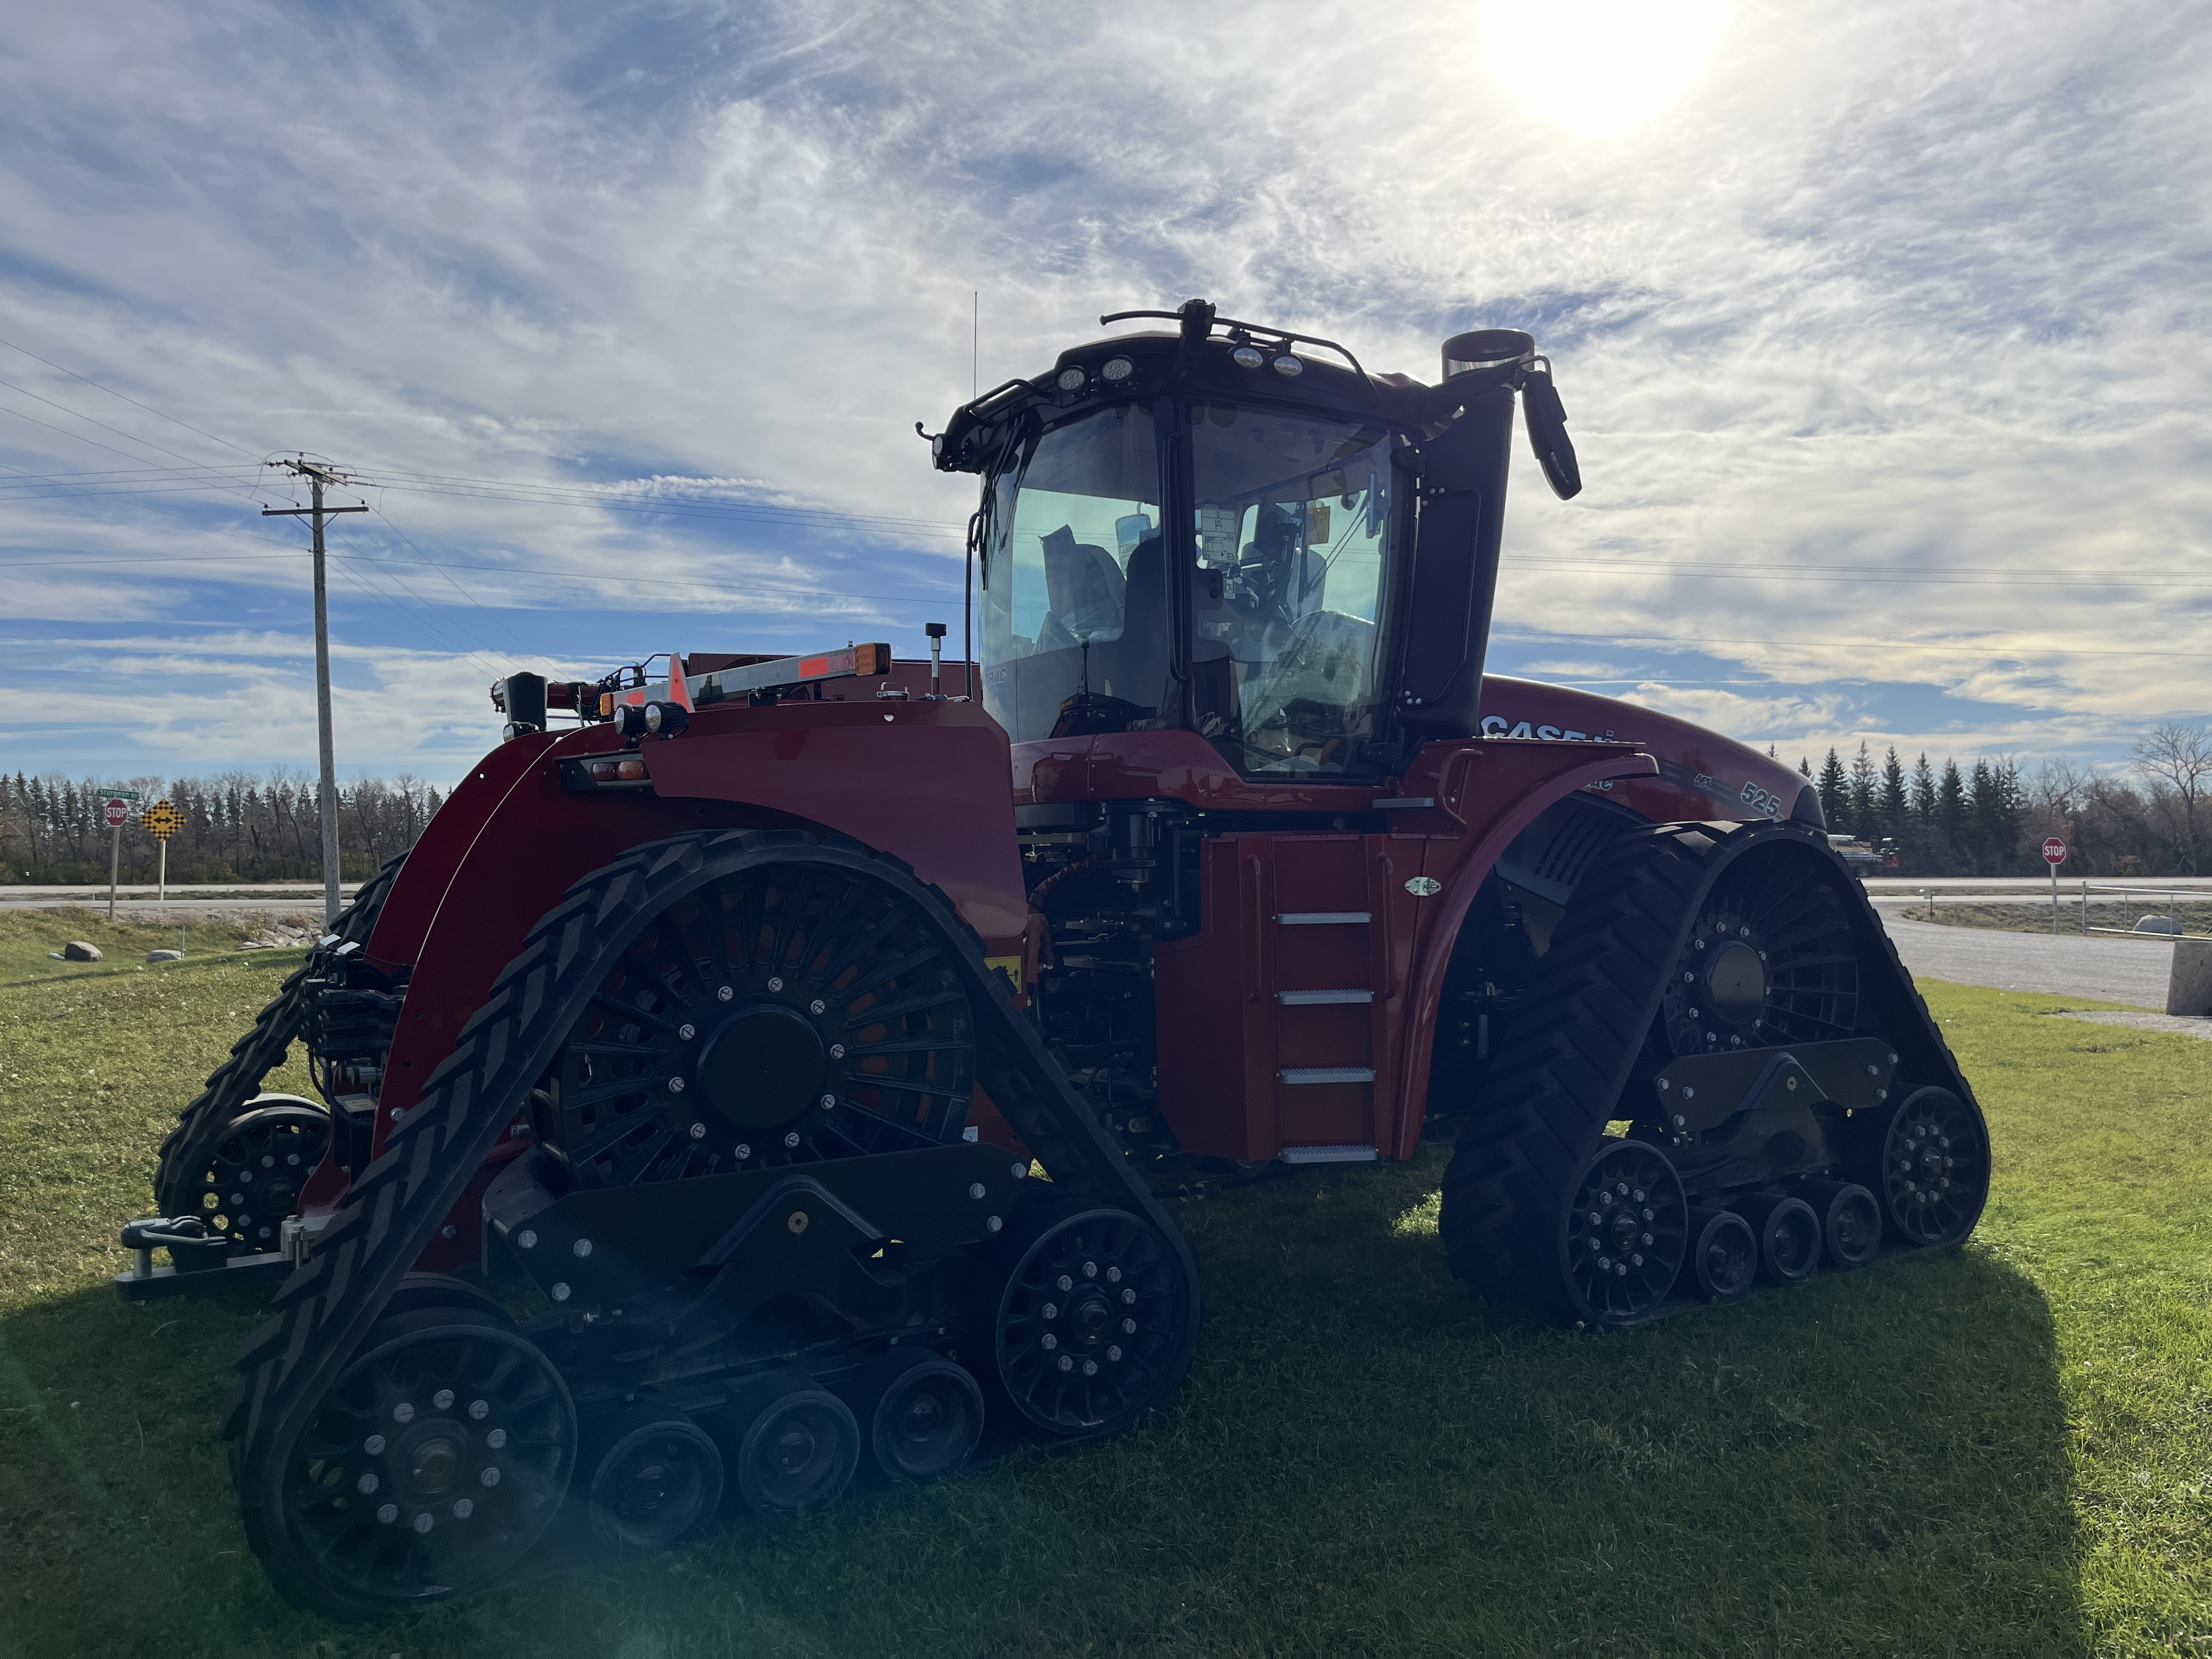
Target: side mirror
(1546,419)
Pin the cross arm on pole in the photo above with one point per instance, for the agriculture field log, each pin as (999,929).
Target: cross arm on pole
(306,512)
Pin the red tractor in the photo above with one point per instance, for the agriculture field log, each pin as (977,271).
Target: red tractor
(687,1086)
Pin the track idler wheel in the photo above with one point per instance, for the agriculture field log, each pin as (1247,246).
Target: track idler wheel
(1851,1222)
(435,1460)
(1624,1235)
(252,1177)
(796,1445)
(660,1478)
(1788,1234)
(1724,1253)
(922,1415)
(1090,1319)
(1934,1167)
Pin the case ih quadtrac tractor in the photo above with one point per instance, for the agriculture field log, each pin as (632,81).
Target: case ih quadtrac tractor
(732,1026)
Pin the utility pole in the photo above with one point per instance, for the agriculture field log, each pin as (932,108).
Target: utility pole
(317,477)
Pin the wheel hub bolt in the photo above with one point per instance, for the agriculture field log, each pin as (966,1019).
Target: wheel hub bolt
(489,1477)
(443,1400)
(1051,1310)
(1066,1364)
(373,1444)
(1635,1261)
(975,1189)
(792,1140)
(744,1151)
(479,1409)
(818,1006)
(464,1508)
(495,1439)
(698,1131)
(687,1032)
(1090,1368)
(1049,1341)
(388,1513)
(837,1051)
(828,1102)
(1621,1268)
(1114,1353)
(423,1523)
(776,984)
(367,1484)
(1065,1283)
(403,1413)
(676,1086)
(1128,1327)
(1091,1270)
(1128,1294)
(723,993)
(1113,1275)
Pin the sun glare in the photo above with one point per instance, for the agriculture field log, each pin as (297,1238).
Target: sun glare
(1599,68)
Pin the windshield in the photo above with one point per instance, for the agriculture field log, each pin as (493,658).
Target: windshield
(1074,582)
(1294,532)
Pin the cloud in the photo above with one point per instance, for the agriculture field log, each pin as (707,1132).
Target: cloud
(1894,320)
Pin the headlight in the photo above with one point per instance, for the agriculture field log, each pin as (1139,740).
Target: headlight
(1289,366)
(1118,368)
(1072,379)
(1248,356)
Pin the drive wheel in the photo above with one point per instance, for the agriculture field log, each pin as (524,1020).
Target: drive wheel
(1770,960)
(787,1013)
(1624,1235)
(435,1460)
(253,1175)
(1092,1321)
(1934,1167)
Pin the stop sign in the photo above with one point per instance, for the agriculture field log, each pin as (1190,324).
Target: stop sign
(116,813)
(2054,852)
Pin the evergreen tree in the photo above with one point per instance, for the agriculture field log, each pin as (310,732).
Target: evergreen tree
(1892,794)
(1981,817)
(1922,798)
(1863,823)
(1835,792)
(1804,769)
(1950,820)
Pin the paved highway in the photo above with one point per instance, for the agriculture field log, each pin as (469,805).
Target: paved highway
(2067,965)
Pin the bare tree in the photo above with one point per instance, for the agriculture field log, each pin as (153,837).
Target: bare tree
(2180,757)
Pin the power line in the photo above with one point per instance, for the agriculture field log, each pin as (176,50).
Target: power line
(112,393)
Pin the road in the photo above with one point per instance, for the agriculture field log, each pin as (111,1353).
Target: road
(136,903)
(2067,965)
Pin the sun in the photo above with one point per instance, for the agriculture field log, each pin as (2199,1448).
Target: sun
(1599,68)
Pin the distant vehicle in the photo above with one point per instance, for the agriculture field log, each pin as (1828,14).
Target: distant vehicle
(1863,860)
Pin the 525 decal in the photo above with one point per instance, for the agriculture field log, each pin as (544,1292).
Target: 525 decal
(1759,800)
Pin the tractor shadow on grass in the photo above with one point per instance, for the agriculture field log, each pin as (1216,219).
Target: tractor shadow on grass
(1873,1460)
(1366,1458)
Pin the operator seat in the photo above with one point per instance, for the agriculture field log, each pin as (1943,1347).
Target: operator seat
(1084,592)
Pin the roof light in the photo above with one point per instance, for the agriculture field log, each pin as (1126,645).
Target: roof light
(1072,379)
(1118,368)
(1248,356)
(1288,367)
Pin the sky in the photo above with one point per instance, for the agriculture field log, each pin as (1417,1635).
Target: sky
(1880,330)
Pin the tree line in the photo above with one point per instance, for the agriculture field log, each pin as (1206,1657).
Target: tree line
(1991,818)
(238,827)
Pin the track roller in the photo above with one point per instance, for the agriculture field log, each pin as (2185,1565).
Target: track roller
(1788,1234)
(659,1477)
(1724,1253)
(795,1445)
(922,1414)
(1851,1222)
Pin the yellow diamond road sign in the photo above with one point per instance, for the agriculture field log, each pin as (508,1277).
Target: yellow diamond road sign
(163,820)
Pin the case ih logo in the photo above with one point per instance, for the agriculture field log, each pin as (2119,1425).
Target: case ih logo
(1496,726)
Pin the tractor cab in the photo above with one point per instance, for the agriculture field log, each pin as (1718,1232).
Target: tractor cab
(1216,533)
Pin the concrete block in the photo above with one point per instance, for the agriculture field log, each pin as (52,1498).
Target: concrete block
(77,951)
(2190,990)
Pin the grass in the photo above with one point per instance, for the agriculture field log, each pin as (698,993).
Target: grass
(2033,916)
(28,939)
(2002,1451)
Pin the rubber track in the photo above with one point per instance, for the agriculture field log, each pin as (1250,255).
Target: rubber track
(202,1125)
(325,1310)
(1567,1058)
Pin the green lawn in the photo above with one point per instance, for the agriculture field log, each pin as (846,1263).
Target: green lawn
(2003,1451)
